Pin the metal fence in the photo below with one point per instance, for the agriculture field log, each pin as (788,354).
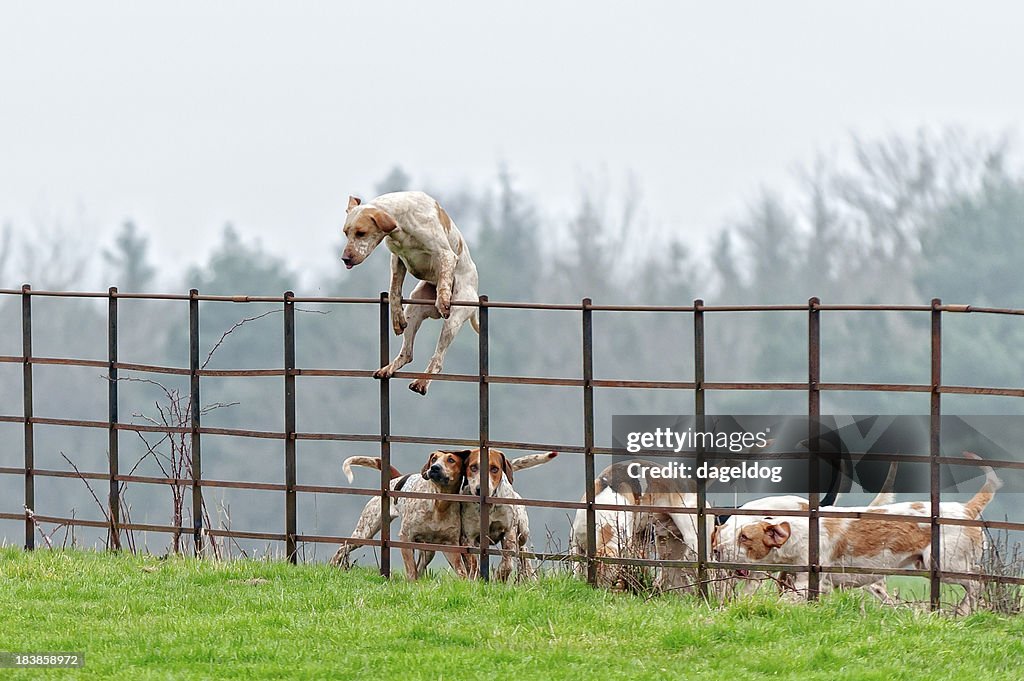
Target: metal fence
(586,309)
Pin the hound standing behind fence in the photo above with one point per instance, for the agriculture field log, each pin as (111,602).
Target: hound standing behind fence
(425,242)
(509,525)
(877,542)
(723,539)
(624,532)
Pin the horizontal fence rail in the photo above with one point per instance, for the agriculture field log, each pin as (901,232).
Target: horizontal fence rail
(291,536)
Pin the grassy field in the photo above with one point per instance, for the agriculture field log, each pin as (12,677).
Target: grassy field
(143,618)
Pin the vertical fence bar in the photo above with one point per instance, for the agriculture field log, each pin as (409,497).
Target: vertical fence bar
(26,375)
(935,420)
(485,434)
(385,439)
(813,421)
(290,503)
(114,499)
(197,451)
(588,436)
(699,413)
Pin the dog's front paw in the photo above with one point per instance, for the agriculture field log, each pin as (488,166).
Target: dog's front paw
(444,305)
(419,386)
(384,372)
(398,322)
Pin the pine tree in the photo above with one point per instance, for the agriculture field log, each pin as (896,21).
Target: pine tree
(129,259)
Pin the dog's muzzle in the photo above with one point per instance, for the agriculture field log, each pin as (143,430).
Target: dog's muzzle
(436,473)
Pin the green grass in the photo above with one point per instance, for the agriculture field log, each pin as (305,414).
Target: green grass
(143,618)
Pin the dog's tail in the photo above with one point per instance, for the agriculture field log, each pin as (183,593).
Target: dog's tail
(474,321)
(885,495)
(531,460)
(368,461)
(979,501)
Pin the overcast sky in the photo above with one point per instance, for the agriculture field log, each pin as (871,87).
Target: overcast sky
(185,115)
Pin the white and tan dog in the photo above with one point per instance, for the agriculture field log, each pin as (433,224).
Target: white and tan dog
(429,521)
(625,532)
(615,529)
(872,542)
(509,526)
(424,242)
(724,536)
(723,539)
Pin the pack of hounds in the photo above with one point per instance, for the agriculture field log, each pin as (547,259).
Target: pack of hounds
(425,242)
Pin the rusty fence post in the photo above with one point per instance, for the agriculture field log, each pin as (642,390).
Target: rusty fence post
(813,424)
(114,498)
(935,420)
(290,510)
(699,413)
(485,434)
(26,375)
(385,439)
(588,436)
(197,452)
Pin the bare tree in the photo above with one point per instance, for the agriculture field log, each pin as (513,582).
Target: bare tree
(172,449)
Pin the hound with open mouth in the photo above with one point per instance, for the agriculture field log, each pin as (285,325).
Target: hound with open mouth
(871,541)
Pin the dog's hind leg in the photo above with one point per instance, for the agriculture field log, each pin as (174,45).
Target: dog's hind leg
(972,591)
(471,562)
(423,560)
(521,543)
(460,315)
(457,563)
(414,315)
(367,526)
(410,562)
(509,543)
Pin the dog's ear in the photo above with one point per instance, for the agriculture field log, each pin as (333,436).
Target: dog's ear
(353,201)
(383,220)
(506,466)
(777,534)
(426,466)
